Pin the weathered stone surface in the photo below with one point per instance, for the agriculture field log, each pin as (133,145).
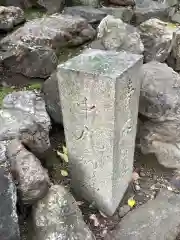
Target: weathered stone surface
(24,116)
(52,6)
(52,98)
(157,219)
(171,3)
(9,229)
(174,58)
(97,44)
(157,37)
(57,216)
(30,50)
(147,9)
(123,2)
(92,15)
(174,14)
(176,17)
(31,177)
(99,99)
(159,102)
(18,3)
(124,13)
(117,35)
(92,3)
(10,17)
(124,210)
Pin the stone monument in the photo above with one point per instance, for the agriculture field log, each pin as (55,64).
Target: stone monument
(99,93)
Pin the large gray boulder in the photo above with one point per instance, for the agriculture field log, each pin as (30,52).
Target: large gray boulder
(160,104)
(92,3)
(124,13)
(157,37)
(147,9)
(57,216)
(114,34)
(52,98)
(32,179)
(18,3)
(157,219)
(122,2)
(31,50)
(52,6)
(93,15)
(23,115)
(9,229)
(173,59)
(10,17)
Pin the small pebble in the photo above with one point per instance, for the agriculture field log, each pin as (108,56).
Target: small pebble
(137,187)
(124,210)
(152,197)
(158,185)
(142,174)
(154,177)
(103,233)
(153,187)
(169,188)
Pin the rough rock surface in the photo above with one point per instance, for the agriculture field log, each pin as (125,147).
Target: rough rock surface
(24,115)
(92,3)
(146,9)
(92,15)
(9,228)
(174,57)
(31,50)
(123,2)
(52,99)
(171,3)
(159,102)
(157,219)
(52,6)
(18,3)
(157,37)
(124,13)
(32,179)
(117,35)
(10,17)
(57,216)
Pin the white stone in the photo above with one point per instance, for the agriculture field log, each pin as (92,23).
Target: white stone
(157,37)
(117,35)
(99,98)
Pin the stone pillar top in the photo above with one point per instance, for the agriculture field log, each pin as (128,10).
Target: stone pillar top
(92,61)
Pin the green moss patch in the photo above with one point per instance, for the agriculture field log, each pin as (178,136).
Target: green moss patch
(6,90)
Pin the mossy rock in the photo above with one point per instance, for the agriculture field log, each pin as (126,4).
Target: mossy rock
(7,90)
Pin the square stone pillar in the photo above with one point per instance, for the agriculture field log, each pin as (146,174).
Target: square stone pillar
(99,93)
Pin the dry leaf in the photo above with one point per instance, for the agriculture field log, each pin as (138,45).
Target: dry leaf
(172,25)
(63,156)
(131,202)
(64,173)
(65,151)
